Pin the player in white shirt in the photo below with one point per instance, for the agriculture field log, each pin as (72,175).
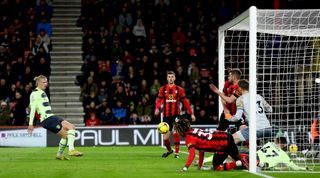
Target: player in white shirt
(264,128)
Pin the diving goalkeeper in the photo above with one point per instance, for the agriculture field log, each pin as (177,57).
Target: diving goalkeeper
(271,155)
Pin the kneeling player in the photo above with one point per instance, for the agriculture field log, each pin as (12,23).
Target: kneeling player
(220,142)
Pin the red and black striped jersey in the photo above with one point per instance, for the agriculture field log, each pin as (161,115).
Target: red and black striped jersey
(216,141)
(170,98)
(231,89)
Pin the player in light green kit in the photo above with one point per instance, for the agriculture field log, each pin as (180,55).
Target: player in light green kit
(271,155)
(39,103)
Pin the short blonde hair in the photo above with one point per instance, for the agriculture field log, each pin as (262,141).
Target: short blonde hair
(38,78)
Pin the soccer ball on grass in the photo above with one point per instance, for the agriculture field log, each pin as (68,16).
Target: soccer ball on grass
(293,148)
(163,127)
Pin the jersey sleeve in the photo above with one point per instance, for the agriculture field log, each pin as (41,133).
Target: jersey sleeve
(240,110)
(185,101)
(267,106)
(160,98)
(33,104)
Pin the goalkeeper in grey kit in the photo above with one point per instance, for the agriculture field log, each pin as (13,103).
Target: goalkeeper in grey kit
(271,155)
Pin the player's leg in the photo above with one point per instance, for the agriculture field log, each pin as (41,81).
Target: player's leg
(176,139)
(223,123)
(53,124)
(233,151)
(217,161)
(166,137)
(166,142)
(241,135)
(62,144)
(70,128)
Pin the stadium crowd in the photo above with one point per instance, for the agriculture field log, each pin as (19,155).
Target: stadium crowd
(129,45)
(127,48)
(25,45)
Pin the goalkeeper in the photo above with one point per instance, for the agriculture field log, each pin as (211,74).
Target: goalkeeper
(271,155)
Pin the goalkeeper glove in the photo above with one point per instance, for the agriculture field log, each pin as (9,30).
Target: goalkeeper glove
(228,116)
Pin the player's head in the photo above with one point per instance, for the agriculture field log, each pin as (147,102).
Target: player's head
(41,82)
(171,77)
(182,126)
(243,85)
(234,75)
(281,141)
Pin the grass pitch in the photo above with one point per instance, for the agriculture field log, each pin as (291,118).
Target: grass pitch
(115,162)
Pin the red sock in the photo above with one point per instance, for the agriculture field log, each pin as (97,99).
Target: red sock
(219,168)
(167,144)
(230,165)
(176,139)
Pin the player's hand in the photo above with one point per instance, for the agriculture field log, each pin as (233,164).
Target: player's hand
(30,129)
(156,112)
(214,88)
(193,118)
(228,116)
(226,111)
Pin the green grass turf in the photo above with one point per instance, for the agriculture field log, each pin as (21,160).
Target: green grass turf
(122,162)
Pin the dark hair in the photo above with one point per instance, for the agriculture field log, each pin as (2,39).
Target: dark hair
(244,84)
(236,72)
(182,126)
(281,140)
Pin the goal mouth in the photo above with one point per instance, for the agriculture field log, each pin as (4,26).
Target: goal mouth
(279,52)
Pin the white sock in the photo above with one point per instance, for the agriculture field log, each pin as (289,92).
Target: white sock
(62,146)
(71,137)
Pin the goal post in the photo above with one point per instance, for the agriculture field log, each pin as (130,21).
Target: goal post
(278,51)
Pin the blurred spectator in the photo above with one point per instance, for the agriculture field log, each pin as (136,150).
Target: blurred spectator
(4,114)
(38,45)
(88,87)
(119,112)
(4,89)
(125,18)
(144,111)
(43,9)
(92,120)
(45,39)
(18,111)
(44,24)
(139,29)
(107,117)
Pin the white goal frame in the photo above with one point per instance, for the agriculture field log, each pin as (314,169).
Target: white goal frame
(247,21)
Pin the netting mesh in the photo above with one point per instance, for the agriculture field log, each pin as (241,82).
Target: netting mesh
(288,63)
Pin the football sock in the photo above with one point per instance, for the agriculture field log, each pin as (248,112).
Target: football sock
(62,146)
(176,139)
(167,144)
(71,135)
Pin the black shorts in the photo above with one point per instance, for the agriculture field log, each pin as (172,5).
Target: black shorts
(52,123)
(170,120)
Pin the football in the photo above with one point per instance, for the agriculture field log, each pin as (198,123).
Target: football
(293,148)
(163,127)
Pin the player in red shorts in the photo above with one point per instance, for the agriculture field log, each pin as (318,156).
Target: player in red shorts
(170,96)
(220,142)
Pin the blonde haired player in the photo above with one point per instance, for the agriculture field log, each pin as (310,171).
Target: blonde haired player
(39,102)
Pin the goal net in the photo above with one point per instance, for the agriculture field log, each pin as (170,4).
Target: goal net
(278,51)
